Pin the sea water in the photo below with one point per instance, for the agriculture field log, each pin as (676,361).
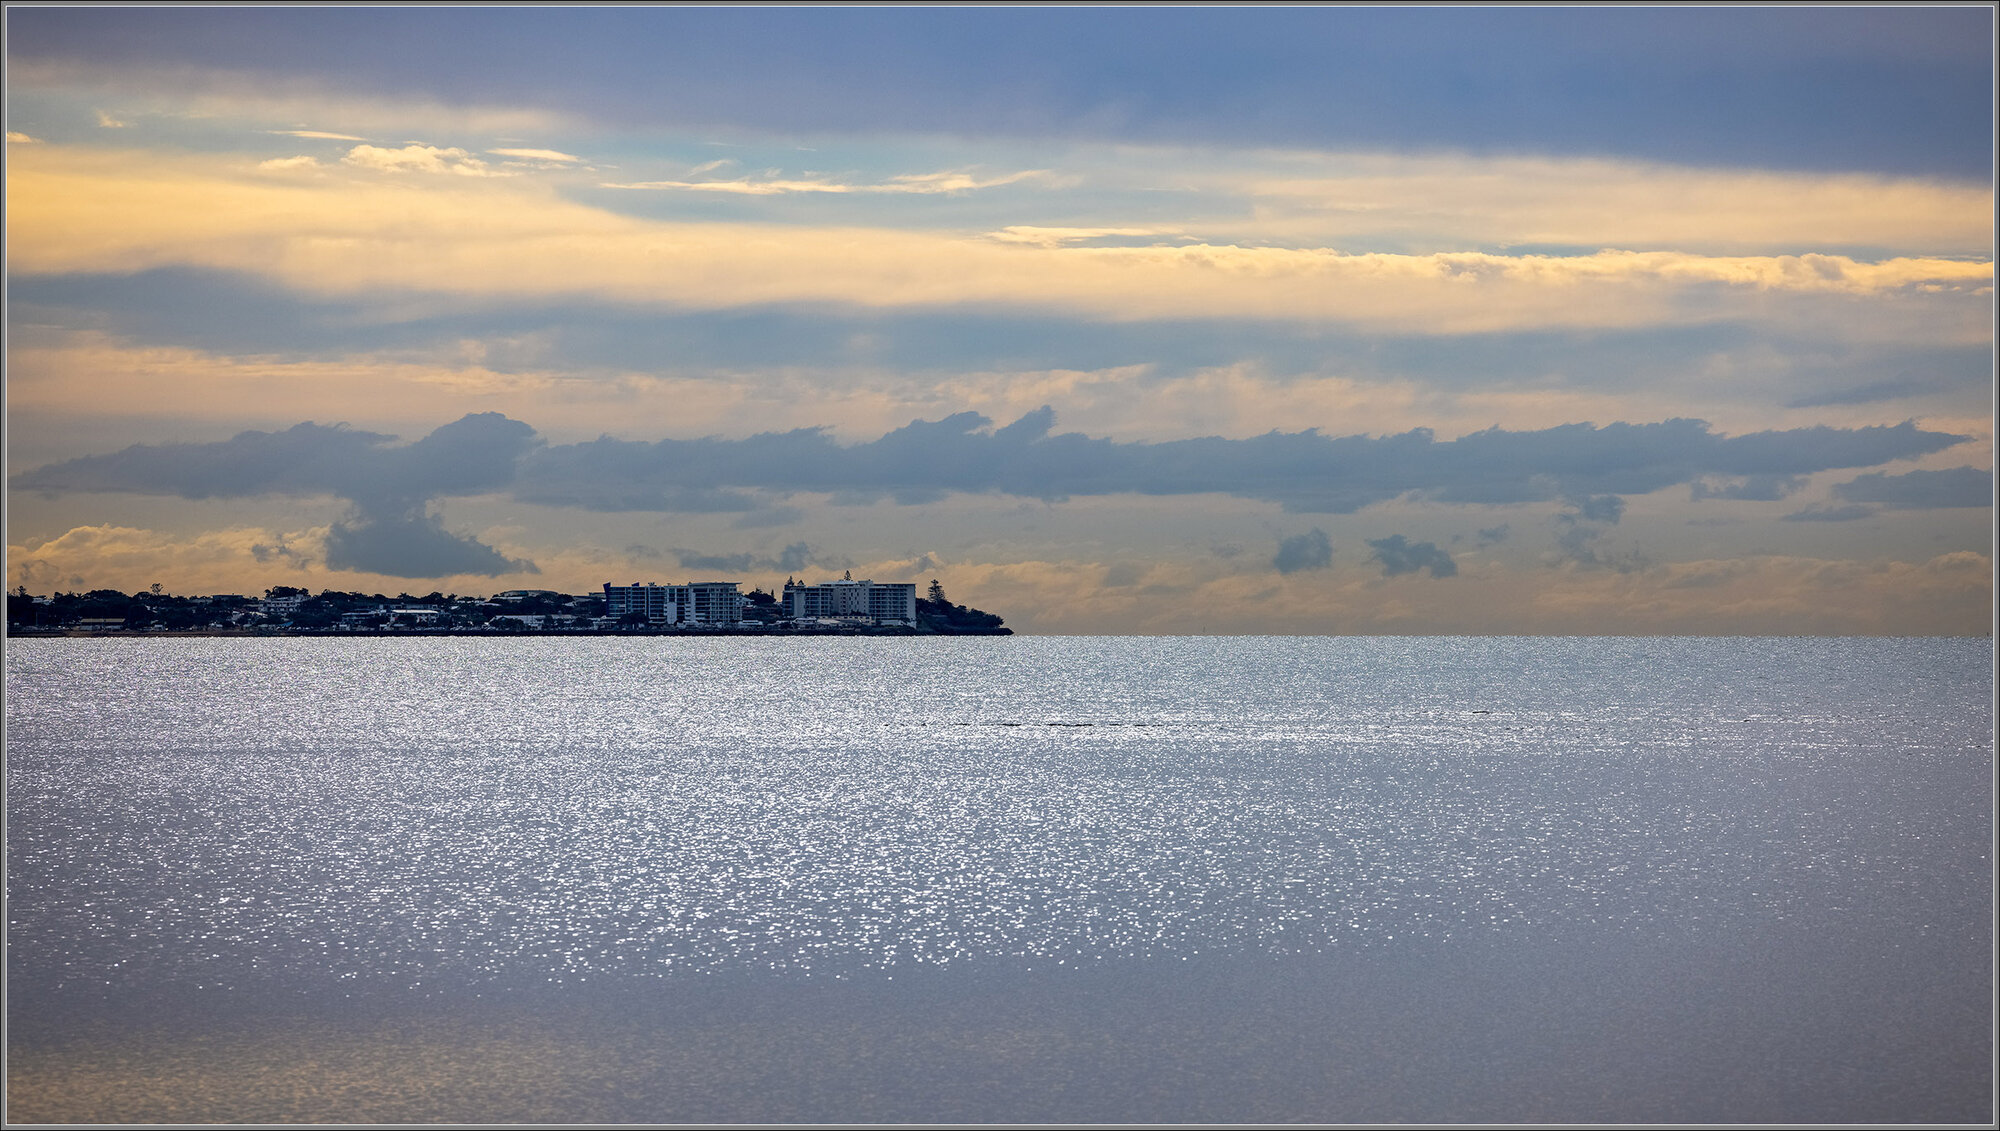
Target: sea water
(999,879)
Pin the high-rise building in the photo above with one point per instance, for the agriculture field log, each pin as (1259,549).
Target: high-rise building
(885,602)
(698,602)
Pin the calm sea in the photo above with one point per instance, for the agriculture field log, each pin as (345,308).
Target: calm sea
(1000,879)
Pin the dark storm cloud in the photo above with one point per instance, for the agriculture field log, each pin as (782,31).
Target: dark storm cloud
(1955,487)
(1493,535)
(1399,555)
(472,455)
(1311,550)
(413,546)
(390,530)
(1306,472)
(302,460)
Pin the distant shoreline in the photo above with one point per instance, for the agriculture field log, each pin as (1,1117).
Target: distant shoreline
(670,630)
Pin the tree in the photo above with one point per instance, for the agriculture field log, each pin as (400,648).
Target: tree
(937,593)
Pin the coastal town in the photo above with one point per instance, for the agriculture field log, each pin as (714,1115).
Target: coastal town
(840,607)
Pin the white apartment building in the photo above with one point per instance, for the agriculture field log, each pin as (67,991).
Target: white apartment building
(890,601)
(697,602)
(659,603)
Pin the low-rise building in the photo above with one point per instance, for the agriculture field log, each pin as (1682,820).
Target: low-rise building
(519,620)
(283,606)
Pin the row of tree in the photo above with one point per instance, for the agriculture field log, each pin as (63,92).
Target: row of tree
(937,611)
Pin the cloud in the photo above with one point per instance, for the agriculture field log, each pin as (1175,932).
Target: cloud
(130,558)
(791,559)
(1305,472)
(416,158)
(1605,509)
(1594,203)
(15,137)
(1759,488)
(772,185)
(1817,513)
(1493,535)
(1771,93)
(1579,529)
(956,181)
(1311,550)
(390,531)
(282,551)
(474,454)
(413,545)
(107,122)
(116,211)
(321,134)
(1871,393)
(1059,237)
(1400,556)
(571,371)
(1954,487)
(551,155)
(287,164)
(718,563)
(769,516)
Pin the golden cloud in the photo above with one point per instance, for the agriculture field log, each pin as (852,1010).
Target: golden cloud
(319,134)
(130,559)
(921,183)
(1513,201)
(410,393)
(535,155)
(123,211)
(417,158)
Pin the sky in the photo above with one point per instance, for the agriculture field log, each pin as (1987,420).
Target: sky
(1111,320)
